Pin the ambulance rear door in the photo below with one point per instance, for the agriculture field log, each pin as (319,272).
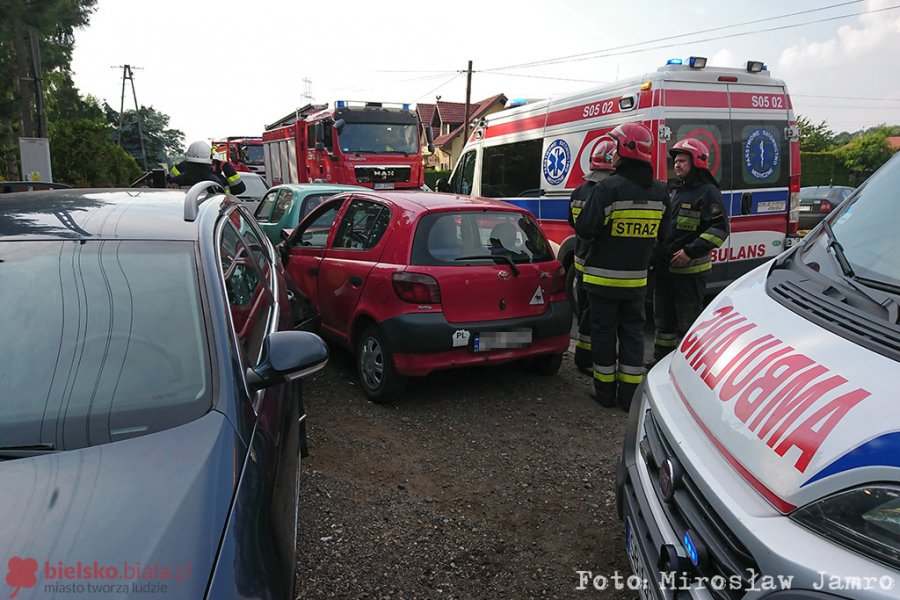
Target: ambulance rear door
(761,170)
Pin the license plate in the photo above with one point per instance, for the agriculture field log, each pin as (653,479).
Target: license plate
(771,206)
(637,562)
(501,340)
(384,186)
(804,208)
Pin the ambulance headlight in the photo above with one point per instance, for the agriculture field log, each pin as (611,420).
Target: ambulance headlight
(865,520)
(755,66)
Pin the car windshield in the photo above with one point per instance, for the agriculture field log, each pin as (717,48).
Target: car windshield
(865,227)
(379,138)
(456,238)
(107,342)
(252,154)
(256,186)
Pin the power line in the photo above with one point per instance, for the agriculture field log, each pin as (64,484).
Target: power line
(542,77)
(612,51)
(429,92)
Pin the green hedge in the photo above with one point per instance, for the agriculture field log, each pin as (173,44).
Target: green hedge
(824,168)
(431,177)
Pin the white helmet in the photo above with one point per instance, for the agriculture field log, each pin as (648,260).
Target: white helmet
(199,152)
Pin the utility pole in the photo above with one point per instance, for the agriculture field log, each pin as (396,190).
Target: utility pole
(468,101)
(307,90)
(127,74)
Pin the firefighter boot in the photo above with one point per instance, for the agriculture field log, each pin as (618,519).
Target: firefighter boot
(625,395)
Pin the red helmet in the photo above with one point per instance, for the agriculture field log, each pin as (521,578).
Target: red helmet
(633,140)
(601,156)
(697,149)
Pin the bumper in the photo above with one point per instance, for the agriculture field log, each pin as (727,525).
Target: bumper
(423,343)
(748,549)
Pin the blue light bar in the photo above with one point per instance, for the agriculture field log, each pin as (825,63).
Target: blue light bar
(674,61)
(340,104)
(689,546)
(405,106)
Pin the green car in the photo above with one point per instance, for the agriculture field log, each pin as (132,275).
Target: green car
(285,205)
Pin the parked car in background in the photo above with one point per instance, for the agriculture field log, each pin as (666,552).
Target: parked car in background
(256,188)
(818,201)
(285,205)
(413,282)
(152,409)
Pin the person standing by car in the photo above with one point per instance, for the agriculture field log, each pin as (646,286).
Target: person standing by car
(600,168)
(196,167)
(695,224)
(621,220)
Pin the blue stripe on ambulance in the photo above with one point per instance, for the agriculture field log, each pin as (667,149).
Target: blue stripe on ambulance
(733,201)
(883,451)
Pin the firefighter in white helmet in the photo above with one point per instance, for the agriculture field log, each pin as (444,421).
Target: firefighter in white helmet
(196,167)
(226,171)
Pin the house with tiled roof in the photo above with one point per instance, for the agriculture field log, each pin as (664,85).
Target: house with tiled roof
(446,120)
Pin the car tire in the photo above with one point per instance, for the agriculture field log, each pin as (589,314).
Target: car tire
(546,364)
(375,366)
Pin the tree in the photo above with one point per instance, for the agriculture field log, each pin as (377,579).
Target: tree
(160,141)
(84,154)
(866,153)
(814,138)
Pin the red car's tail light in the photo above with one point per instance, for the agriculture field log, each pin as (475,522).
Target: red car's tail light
(825,207)
(559,281)
(416,288)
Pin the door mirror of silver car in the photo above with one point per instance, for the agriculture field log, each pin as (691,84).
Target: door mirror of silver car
(287,355)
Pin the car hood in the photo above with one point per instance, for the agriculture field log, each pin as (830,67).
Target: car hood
(145,511)
(798,411)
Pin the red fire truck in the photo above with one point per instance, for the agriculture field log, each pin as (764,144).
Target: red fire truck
(374,144)
(243,152)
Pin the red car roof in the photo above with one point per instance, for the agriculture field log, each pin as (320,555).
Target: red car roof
(419,201)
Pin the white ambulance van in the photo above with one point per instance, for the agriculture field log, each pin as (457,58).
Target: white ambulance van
(535,155)
(762,457)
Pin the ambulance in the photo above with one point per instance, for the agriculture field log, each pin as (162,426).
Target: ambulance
(534,155)
(762,456)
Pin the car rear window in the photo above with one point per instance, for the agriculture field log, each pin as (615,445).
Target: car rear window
(472,236)
(108,341)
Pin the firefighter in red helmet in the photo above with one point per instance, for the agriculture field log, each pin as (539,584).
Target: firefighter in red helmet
(620,220)
(695,224)
(600,168)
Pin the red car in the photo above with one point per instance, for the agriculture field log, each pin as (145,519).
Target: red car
(414,282)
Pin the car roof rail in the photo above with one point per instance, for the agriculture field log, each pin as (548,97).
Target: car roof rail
(192,199)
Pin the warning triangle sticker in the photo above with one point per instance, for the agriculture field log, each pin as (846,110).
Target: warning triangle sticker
(538,297)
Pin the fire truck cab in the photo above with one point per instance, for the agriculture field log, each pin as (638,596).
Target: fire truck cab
(535,155)
(373,144)
(245,153)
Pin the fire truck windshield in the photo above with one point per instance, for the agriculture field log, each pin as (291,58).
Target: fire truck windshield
(252,154)
(379,138)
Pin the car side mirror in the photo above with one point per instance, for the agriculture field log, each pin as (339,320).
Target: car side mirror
(319,132)
(286,356)
(339,124)
(441,185)
(429,138)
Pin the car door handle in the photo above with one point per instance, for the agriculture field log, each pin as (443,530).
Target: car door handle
(356,280)
(746,203)
(314,270)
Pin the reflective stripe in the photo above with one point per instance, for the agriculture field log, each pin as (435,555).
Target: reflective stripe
(607,282)
(631,369)
(611,370)
(604,377)
(660,341)
(653,215)
(624,377)
(628,204)
(687,223)
(175,171)
(689,213)
(583,345)
(613,273)
(579,266)
(233,179)
(714,240)
(698,265)
(613,278)
(583,338)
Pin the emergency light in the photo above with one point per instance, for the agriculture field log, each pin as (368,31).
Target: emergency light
(674,61)
(697,62)
(405,106)
(340,104)
(755,66)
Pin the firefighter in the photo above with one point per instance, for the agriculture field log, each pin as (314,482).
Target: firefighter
(695,224)
(600,168)
(226,171)
(196,167)
(621,221)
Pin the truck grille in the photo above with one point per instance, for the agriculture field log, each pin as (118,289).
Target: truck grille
(382,174)
(688,509)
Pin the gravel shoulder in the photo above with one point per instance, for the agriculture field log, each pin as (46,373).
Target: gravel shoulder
(486,482)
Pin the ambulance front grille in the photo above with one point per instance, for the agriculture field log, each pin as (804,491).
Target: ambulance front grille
(688,509)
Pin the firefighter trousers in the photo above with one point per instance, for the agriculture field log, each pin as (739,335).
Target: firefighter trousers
(583,359)
(617,346)
(677,302)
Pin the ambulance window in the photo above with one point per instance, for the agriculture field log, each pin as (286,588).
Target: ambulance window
(717,137)
(760,156)
(509,170)
(462,179)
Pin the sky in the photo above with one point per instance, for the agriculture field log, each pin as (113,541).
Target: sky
(228,68)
